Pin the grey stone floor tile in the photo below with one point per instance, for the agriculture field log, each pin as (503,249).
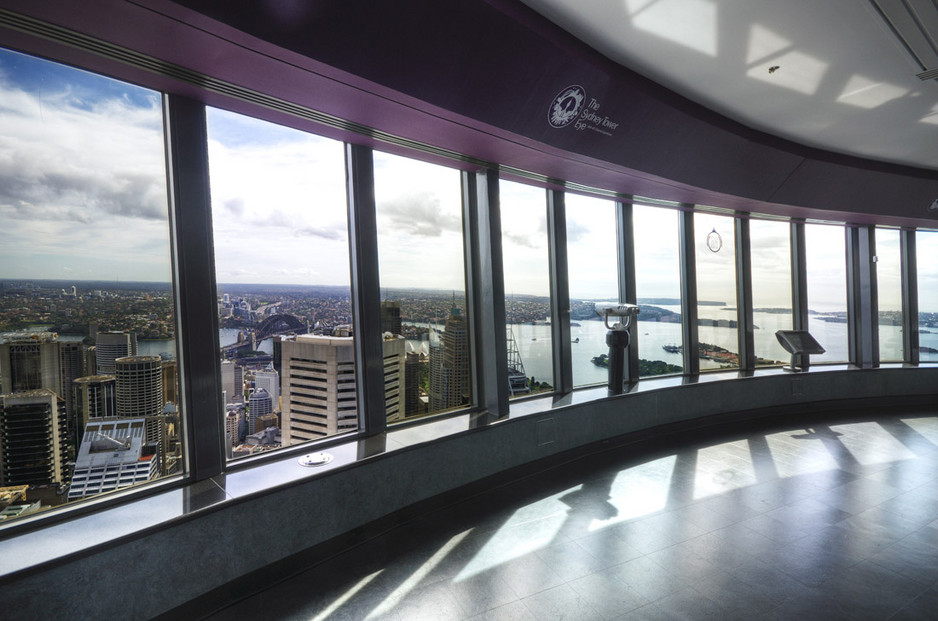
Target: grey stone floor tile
(560,603)
(483,592)
(610,596)
(515,611)
(648,578)
(606,546)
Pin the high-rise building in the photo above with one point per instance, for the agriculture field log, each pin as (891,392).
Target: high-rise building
(231,430)
(412,366)
(72,366)
(260,404)
(265,421)
(391,316)
(394,345)
(139,383)
(450,384)
(139,387)
(113,454)
(319,384)
(30,361)
(91,359)
(269,381)
(170,382)
(232,380)
(33,439)
(93,397)
(110,346)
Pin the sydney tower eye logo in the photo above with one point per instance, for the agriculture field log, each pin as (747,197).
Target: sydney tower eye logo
(566,106)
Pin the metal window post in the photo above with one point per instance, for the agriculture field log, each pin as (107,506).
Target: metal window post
(909,269)
(202,406)
(799,280)
(688,292)
(627,292)
(485,291)
(366,289)
(744,319)
(862,306)
(559,292)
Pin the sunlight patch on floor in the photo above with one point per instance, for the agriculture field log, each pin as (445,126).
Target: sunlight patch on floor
(639,490)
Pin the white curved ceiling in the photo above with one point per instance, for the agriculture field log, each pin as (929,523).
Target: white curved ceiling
(836,74)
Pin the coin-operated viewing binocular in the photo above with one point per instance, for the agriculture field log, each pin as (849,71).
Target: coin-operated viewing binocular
(617,338)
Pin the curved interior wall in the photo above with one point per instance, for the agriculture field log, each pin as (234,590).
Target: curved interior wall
(224,542)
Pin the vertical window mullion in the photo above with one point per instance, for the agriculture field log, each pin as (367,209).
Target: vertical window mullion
(799,280)
(688,292)
(366,289)
(744,312)
(627,288)
(559,292)
(861,297)
(909,271)
(194,275)
(485,291)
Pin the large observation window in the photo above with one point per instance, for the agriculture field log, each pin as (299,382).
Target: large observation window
(826,266)
(526,269)
(89,398)
(926,244)
(658,287)
(592,266)
(718,342)
(889,291)
(283,287)
(421,264)
(770,247)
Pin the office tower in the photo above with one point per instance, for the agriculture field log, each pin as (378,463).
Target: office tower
(170,382)
(113,454)
(93,397)
(33,439)
(278,354)
(232,381)
(269,381)
(91,359)
(412,364)
(393,346)
(449,365)
(265,421)
(72,366)
(30,361)
(260,404)
(110,346)
(391,316)
(139,388)
(231,431)
(139,383)
(319,386)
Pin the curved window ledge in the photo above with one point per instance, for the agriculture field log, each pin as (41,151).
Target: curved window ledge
(401,468)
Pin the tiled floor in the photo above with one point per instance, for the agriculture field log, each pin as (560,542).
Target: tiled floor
(837,521)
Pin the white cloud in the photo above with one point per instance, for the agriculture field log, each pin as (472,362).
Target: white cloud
(82,181)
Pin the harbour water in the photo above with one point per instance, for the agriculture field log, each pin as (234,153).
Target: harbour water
(535,345)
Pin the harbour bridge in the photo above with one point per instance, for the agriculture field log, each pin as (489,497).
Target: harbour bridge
(275,325)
